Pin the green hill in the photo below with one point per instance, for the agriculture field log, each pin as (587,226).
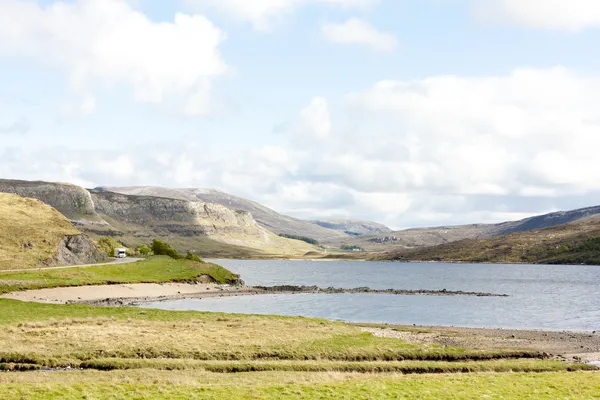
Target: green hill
(35,234)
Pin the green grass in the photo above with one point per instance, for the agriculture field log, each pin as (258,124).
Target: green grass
(153,270)
(311,386)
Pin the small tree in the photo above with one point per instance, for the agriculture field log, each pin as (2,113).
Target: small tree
(144,250)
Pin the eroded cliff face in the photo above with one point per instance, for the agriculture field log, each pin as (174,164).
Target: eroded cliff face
(187,218)
(77,250)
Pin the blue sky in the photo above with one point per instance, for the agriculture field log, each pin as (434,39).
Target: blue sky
(410,113)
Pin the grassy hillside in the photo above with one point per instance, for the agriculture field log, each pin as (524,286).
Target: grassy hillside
(30,231)
(574,243)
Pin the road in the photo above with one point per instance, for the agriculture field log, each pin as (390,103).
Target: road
(114,262)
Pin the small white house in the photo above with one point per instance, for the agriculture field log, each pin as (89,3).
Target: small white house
(120,253)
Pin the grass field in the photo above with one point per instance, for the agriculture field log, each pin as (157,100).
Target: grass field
(153,270)
(148,384)
(129,353)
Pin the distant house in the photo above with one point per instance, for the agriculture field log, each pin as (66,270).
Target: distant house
(120,253)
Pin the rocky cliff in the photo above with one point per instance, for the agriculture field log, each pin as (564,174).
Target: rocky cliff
(187,218)
(266,217)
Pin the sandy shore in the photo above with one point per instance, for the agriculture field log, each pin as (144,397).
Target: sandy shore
(127,292)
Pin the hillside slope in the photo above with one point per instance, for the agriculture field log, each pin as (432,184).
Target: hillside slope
(352,227)
(35,234)
(426,237)
(574,243)
(267,218)
(211,230)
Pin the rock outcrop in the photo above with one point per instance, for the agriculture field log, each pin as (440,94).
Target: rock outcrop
(77,250)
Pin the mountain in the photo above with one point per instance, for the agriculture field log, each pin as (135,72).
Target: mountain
(426,237)
(210,230)
(576,242)
(352,227)
(35,234)
(267,218)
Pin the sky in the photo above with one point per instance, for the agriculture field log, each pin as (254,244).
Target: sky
(409,113)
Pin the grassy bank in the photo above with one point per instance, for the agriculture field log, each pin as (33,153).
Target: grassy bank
(153,270)
(142,353)
(67,335)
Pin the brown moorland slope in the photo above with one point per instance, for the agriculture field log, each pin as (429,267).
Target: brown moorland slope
(574,243)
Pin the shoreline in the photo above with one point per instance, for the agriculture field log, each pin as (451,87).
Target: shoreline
(132,294)
(571,346)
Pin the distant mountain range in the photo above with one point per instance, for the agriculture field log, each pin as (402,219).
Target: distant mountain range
(425,237)
(576,242)
(215,224)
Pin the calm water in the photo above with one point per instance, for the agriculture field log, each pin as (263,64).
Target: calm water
(541,297)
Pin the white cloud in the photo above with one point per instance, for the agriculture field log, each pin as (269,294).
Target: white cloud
(86,107)
(263,13)
(315,120)
(356,31)
(573,15)
(433,151)
(108,42)
(493,135)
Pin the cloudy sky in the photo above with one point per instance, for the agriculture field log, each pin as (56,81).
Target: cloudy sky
(406,112)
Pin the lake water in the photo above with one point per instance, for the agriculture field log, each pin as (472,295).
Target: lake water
(540,297)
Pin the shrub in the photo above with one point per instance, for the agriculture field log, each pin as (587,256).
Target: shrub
(160,248)
(191,256)
(302,238)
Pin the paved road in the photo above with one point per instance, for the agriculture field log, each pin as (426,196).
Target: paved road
(116,261)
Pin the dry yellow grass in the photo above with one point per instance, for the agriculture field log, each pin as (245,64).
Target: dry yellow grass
(174,339)
(30,231)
